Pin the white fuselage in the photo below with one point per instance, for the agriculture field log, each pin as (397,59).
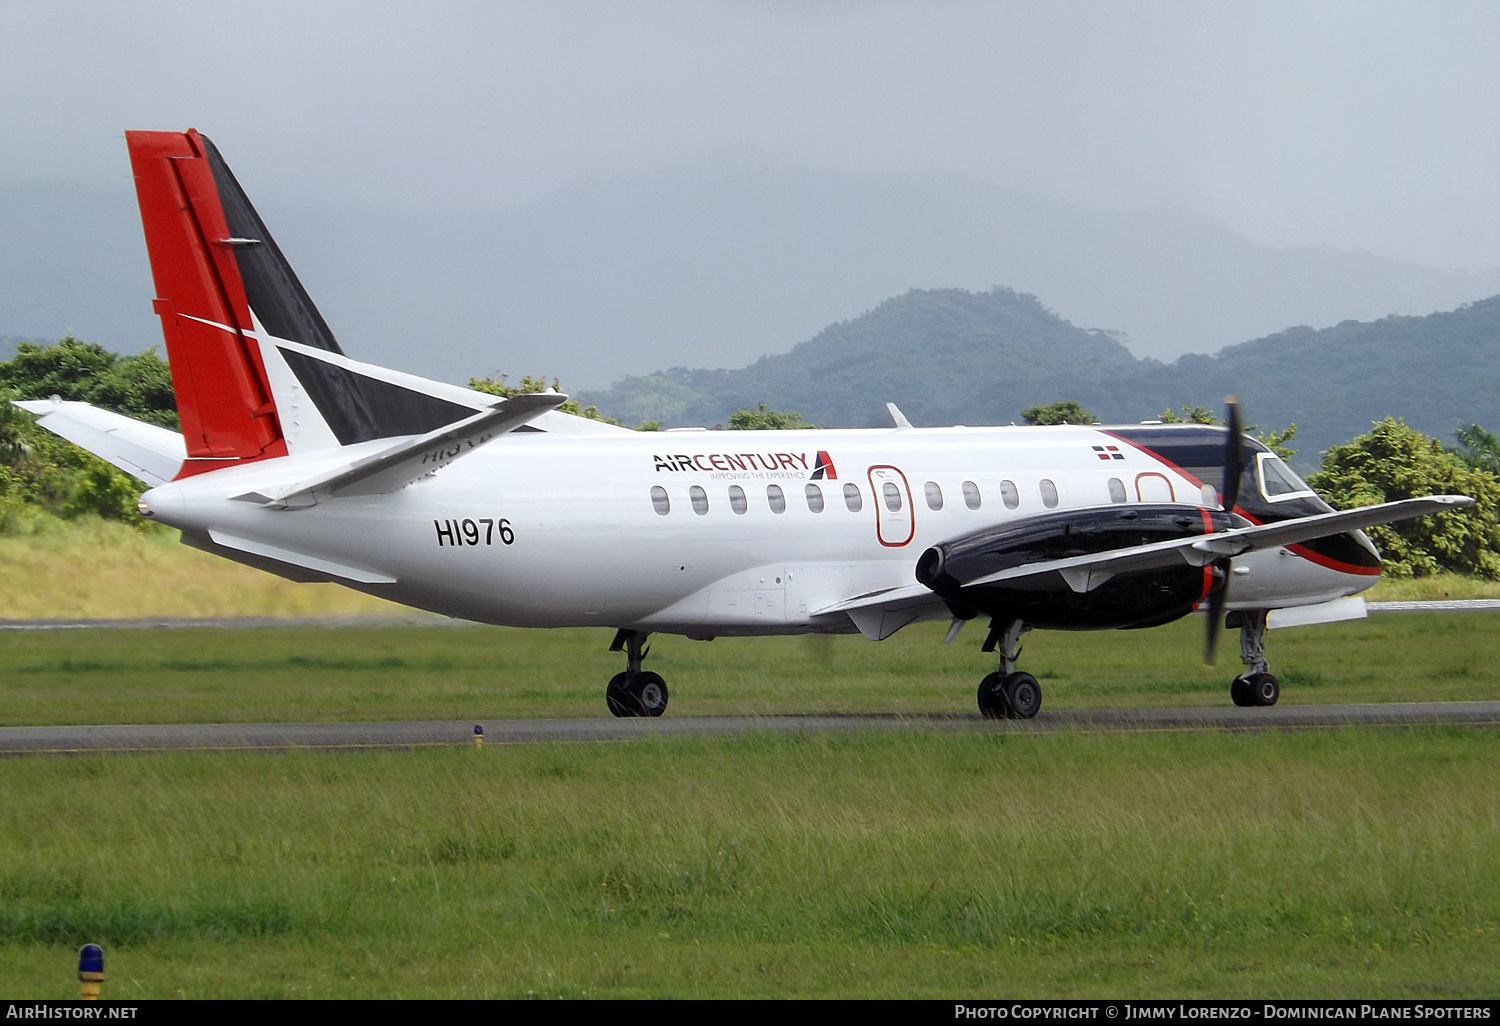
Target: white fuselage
(584,543)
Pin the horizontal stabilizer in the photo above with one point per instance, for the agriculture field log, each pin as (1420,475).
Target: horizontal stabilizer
(1084,573)
(414,458)
(152,454)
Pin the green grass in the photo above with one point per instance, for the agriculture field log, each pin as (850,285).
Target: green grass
(1347,863)
(315,673)
(1436,587)
(1322,863)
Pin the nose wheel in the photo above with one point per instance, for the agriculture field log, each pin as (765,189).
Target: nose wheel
(1255,689)
(635,692)
(1257,686)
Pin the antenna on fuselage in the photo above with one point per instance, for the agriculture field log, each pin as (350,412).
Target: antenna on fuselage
(897,417)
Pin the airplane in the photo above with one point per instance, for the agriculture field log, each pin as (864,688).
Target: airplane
(296,459)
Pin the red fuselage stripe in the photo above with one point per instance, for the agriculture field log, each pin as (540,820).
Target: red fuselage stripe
(1299,549)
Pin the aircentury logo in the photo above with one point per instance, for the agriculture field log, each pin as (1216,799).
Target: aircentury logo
(782,463)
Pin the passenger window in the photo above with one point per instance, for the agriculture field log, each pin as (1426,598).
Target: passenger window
(775,498)
(892,496)
(814,498)
(852,498)
(971,495)
(699,499)
(737,499)
(1116,490)
(659,500)
(1049,494)
(934,495)
(1009,495)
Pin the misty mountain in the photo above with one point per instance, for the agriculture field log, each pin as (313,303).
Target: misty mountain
(704,267)
(955,357)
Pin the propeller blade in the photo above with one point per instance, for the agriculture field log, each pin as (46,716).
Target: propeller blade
(1234,455)
(1215,621)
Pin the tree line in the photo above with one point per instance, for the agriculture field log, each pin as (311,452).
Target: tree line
(42,475)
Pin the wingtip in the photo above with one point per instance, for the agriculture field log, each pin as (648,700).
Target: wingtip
(37,405)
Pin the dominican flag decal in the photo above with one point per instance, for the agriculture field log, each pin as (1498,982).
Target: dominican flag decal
(1108,452)
(824,468)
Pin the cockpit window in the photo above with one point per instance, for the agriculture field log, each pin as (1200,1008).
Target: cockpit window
(1279,481)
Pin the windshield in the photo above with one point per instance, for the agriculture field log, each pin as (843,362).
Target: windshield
(1277,480)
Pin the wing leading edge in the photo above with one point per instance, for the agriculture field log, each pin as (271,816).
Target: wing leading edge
(1087,572)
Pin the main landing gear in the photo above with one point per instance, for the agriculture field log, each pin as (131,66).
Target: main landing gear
(1007,694)
(635,692)
(1256,686)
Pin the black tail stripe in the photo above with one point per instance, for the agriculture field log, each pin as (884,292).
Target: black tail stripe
(359,408)
(271,286)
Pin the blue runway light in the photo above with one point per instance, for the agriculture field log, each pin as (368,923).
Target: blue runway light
(90,971)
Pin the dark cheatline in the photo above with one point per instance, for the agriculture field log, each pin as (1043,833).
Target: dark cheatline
(330,736)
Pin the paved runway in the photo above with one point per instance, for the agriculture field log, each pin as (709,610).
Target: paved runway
(330,736)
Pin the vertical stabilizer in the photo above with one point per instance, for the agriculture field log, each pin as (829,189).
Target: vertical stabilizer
(195,235)
(255,368)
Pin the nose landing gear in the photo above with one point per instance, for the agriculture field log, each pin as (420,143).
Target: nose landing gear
(1257,686)
(635,692)
(1007,694)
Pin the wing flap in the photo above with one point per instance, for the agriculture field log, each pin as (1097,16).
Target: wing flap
(879,614)
(883,597)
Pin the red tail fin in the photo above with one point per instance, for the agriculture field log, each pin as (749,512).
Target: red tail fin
(223,396)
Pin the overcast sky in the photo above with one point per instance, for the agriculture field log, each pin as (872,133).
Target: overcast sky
(1355,124)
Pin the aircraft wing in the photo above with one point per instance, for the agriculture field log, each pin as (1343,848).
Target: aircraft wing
(153,454)
(414,458)
(1085,573)
(879,614)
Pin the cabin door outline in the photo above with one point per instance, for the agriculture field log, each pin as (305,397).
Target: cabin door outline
(893,528)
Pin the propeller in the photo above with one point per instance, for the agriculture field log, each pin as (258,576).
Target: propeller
(1229,493)
(1234,454)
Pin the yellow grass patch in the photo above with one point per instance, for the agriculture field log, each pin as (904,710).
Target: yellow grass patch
(94,569)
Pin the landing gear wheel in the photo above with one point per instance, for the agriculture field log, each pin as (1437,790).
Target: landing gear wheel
(617,695)
(635,692)
(1239,691)
(1023,696)
(992,701)
(640,694)
(650,694)
(1264,689)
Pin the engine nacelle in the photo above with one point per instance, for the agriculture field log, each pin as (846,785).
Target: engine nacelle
(1140,598)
